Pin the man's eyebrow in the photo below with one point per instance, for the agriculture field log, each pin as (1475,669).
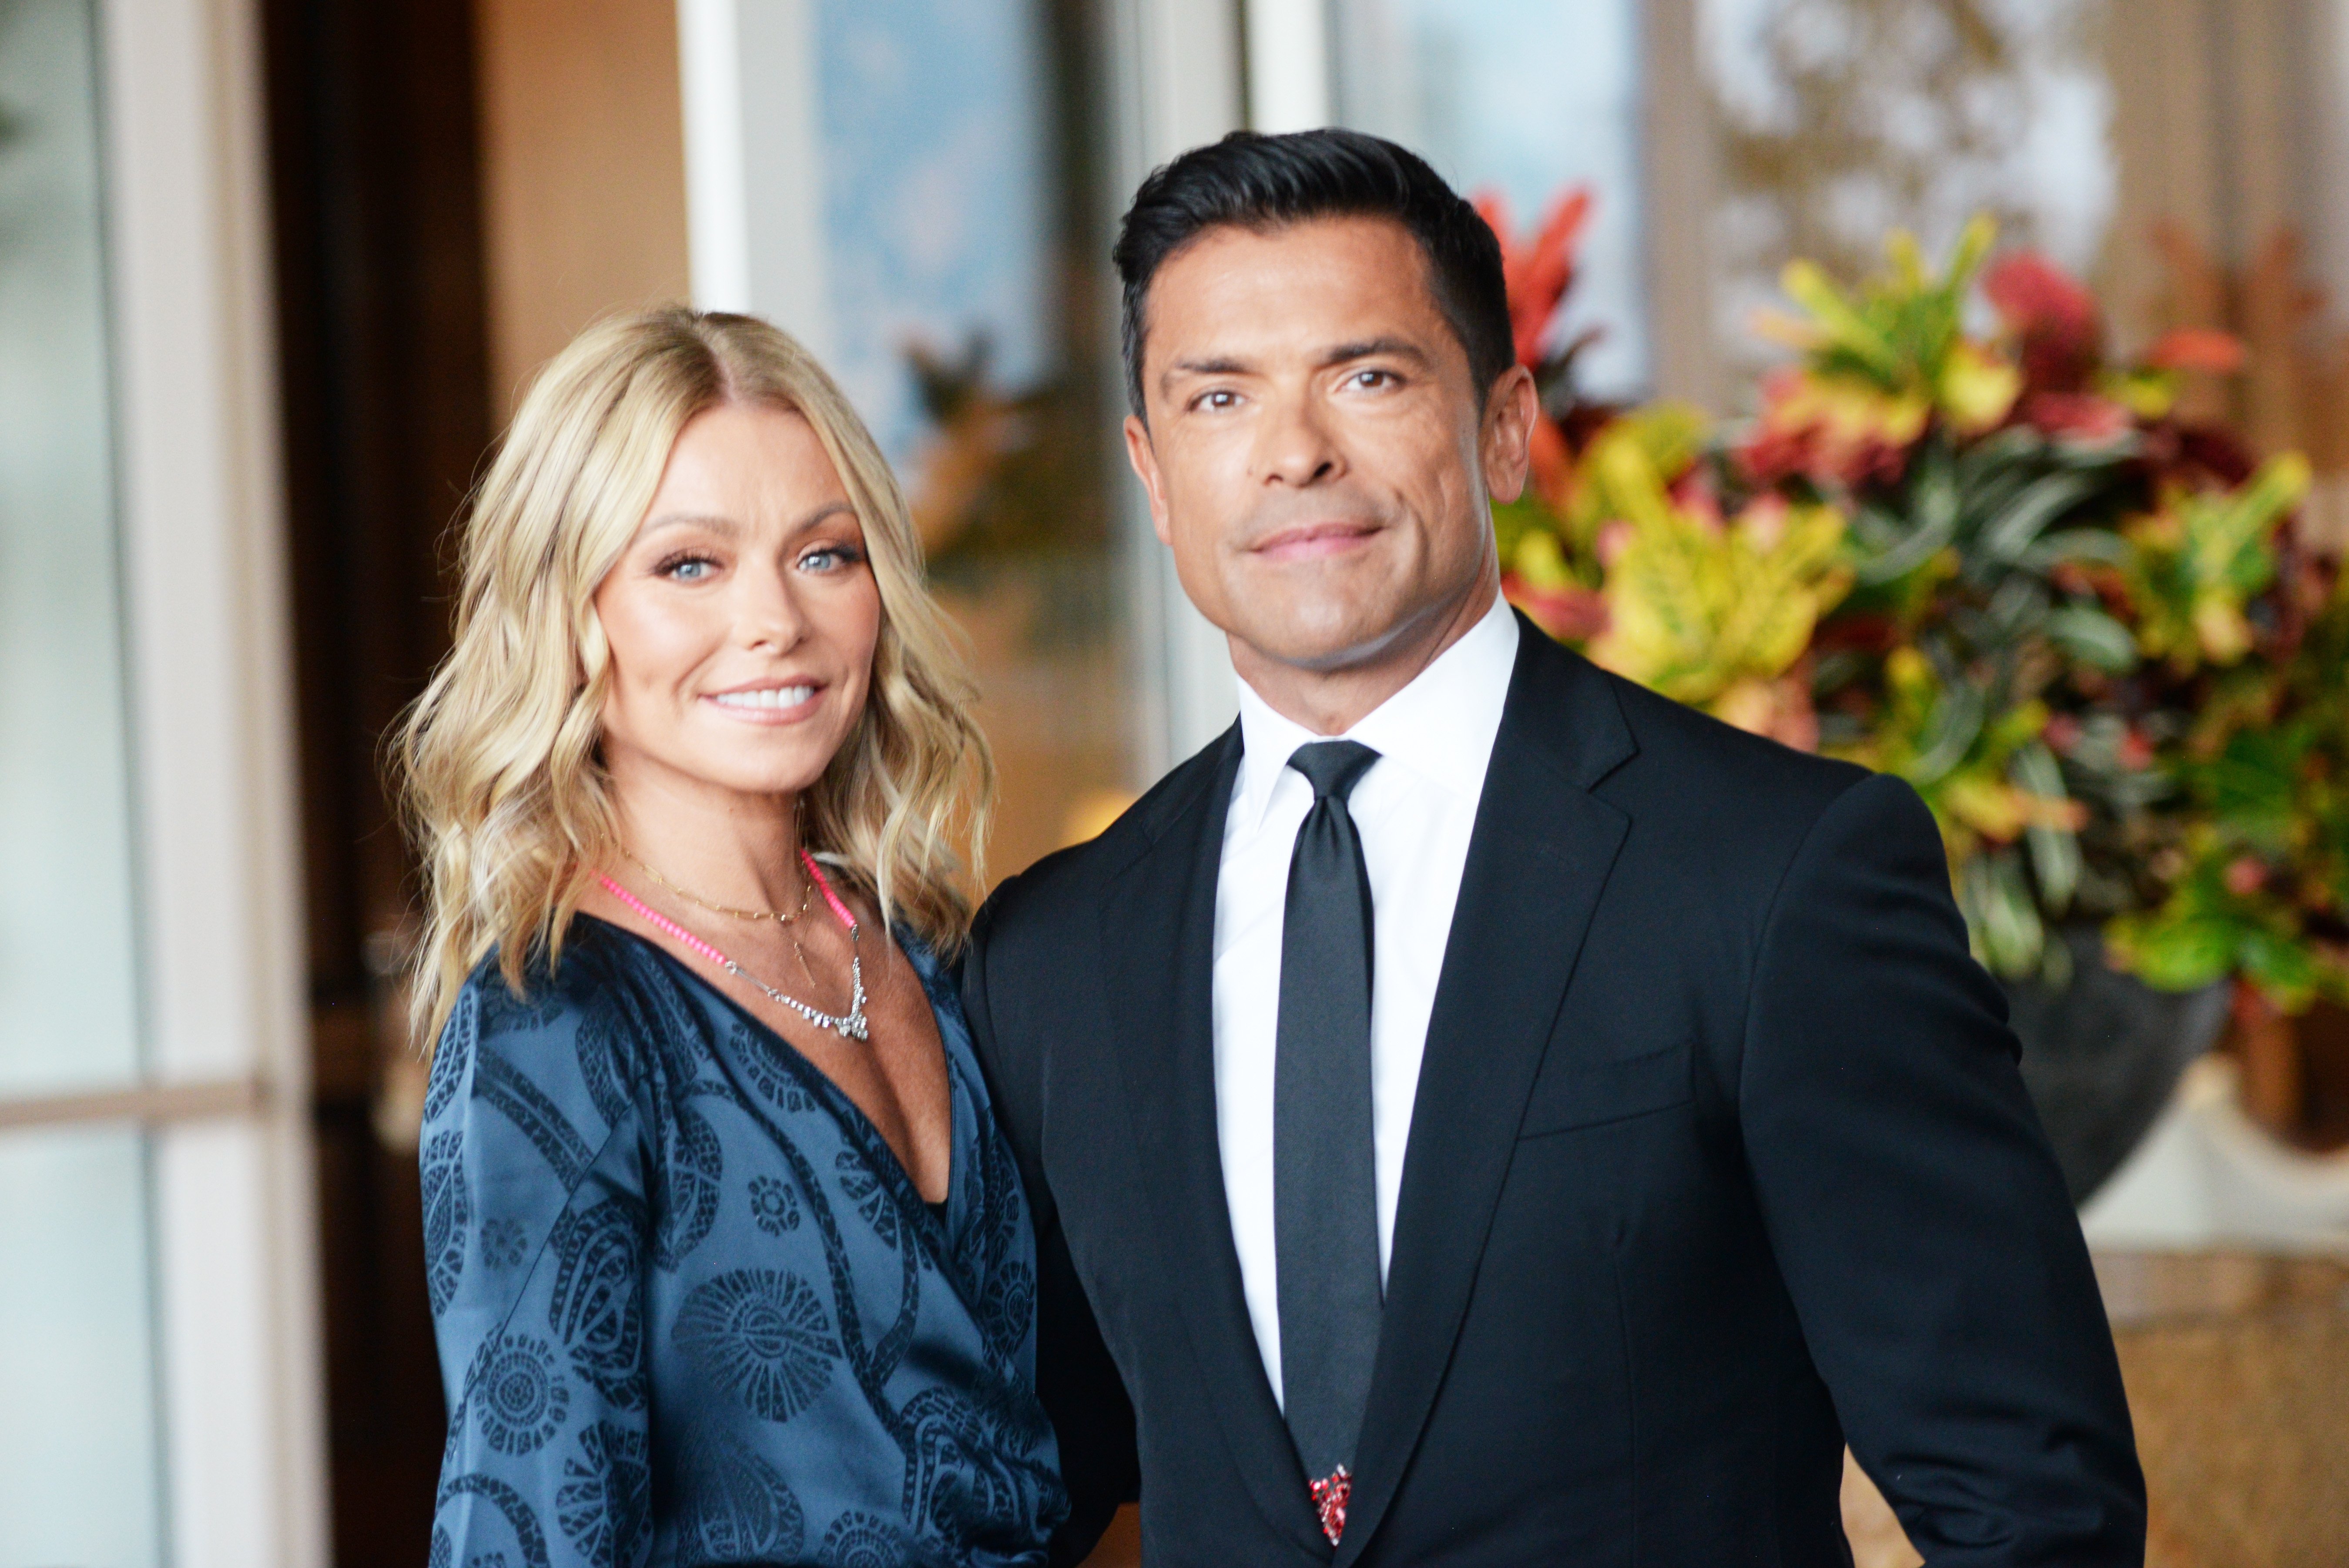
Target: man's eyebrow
(1219,365)
(1343,353)
(1392,348)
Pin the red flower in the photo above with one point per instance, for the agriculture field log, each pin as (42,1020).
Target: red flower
(1571,614)
(2056,318)
(1553,463)
(1831,432)
(1693,496)
(2080,417)
(1542,268)
(1865,630)
(2196,348)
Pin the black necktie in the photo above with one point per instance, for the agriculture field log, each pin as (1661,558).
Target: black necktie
(1325,1184)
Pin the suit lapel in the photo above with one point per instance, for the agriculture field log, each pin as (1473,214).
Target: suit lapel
(1158,930)
(1542,844)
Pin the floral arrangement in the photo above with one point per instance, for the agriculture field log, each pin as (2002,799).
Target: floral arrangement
(1998,564)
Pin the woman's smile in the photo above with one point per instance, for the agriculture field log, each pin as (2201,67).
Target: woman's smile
(780,704)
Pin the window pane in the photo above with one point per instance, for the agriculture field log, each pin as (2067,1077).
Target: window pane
(1524,98)
(78,1441)
(67,1013)
(1839,120)
(966,251)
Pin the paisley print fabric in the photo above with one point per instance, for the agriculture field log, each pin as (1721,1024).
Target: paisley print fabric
(692,1311)
(737,1508)
(864,1541)
(762,1334)
(606,1496)
(523,1397)
(774,1208)
(448,1215)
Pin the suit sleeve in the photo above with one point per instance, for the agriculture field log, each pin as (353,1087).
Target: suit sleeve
(1916,1212)
(1075,1377)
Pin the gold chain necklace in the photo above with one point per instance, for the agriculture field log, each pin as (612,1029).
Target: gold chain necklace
(851,1024)
(807,894)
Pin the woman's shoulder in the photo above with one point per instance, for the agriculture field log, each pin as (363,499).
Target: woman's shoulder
(576,1041)
(559,992)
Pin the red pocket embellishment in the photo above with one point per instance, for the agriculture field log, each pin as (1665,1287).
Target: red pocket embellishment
(1329,1501)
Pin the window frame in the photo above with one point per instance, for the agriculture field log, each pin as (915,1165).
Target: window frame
(221,1097)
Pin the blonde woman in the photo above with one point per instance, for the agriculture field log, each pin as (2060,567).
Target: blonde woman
(728,1261)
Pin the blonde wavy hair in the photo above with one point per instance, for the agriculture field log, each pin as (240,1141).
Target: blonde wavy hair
(498,765)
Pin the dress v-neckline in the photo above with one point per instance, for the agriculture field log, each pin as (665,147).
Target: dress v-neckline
(855,1123)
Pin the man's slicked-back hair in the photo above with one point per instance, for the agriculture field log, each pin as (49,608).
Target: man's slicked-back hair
(1261,183)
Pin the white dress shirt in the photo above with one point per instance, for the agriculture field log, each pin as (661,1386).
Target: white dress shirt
(1414,810)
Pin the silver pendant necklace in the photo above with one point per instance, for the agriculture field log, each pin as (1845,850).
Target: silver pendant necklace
(851,1024)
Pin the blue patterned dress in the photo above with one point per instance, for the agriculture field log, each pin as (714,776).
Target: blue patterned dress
(691,1310)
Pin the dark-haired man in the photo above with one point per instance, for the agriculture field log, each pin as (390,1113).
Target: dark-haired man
(1479,1111)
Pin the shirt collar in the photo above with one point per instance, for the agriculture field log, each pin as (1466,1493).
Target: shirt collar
(1441,726)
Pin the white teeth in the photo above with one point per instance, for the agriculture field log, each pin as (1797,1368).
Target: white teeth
(774,696)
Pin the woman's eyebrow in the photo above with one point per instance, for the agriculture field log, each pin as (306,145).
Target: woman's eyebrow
(714,522)
(823,513)
(718,522)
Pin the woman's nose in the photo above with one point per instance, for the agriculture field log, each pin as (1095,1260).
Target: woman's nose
(767,611)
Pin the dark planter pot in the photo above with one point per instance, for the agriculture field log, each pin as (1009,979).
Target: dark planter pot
(2102,1056)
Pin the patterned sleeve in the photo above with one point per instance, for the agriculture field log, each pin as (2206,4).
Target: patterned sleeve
(536,1221)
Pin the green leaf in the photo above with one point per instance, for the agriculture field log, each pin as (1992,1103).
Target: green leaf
(2253,784)
(2279,966)
(2092,637)
(1809,286)
(2009,534)
(1875,527)
(1973,243)
(2055,851)
(2103,454)
(1950,734)
(2099,544)
(2002,921)
(1933,504)
(1992,459)
(2020,606)
(2172,952)
(1513,520)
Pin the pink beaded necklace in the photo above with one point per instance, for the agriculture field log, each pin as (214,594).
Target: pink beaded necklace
(850,1025)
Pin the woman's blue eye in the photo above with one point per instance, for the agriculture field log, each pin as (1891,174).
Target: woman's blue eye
(692,569)
(829,557)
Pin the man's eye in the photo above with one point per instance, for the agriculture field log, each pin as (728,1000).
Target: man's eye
(1373,380)
(1219,401)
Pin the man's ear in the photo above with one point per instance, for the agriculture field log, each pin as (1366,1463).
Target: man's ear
(1506,443)
(1145,458)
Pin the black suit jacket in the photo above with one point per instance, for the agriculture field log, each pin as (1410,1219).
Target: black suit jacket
(1720,1158)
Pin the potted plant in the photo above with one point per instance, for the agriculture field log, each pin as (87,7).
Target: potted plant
(2005,569)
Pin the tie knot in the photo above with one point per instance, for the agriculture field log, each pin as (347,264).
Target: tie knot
(1332,767)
